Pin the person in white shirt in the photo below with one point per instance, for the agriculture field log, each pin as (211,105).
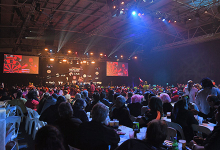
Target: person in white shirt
(191,91)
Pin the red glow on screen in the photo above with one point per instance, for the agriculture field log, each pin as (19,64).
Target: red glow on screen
(116,69)
(20,64)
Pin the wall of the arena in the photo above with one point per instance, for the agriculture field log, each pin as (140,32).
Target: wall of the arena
(171,66)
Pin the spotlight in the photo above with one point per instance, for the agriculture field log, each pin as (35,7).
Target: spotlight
(93,62)
(51,59)
(77,62)
(121,56)
(175,21)
(114,7)
(76,53)
(139,14)
(206,12)
(81,62)
(122,3)
(69,51)
(46,49)
(60,62)
(101,54)
(116,56)
(122,9)
(159,18)
(133,13)
(163,19)
(105,55)
(91,53)
(135,57)
(51,50)
(169,21)
(84,61)
(189,19)
(64,60)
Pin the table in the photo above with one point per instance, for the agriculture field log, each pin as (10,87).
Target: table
(126,130)
(210,126)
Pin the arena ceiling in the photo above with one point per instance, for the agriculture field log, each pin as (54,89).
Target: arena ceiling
(107,26)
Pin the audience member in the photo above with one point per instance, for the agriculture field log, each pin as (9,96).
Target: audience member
(191,91)
(48,138)
(42,102)
(135,106)
(31,102)
(167,107)
(78,107)
(94,135)
(49,101)
(19,101)
(68,125)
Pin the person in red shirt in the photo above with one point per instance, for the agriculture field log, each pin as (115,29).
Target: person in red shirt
(92,87)
(31,102)
(175,97)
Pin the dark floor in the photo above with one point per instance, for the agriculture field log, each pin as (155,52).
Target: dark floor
(25,141)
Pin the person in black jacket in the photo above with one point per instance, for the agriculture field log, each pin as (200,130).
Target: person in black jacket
(184,118)
(78,110)
(51,114)
(68,125)
(135,106)
(95,135)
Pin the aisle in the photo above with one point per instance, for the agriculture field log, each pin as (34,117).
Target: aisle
(25,141)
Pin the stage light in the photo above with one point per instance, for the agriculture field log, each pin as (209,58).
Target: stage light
(122,9)
(114,7)
(133,13)
(169,21)
(101,54)
(51,59)
(91,53)
(64,60)
(46,49)
(116,56)
(139,14)
(51,50)
(84,61)
(81,62)
(175,21)
(93,62)
(163,19)
(121,56)
(60,62)
(105,55)
(189,19)
(76,53)
(77,62)
(206,12)
(122,3)
(71,62)
(159,18)
(87,63)
(69,51)
(135,57)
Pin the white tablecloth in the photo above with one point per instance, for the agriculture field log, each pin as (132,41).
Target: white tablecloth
(209,125)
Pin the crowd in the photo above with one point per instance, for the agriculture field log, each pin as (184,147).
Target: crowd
(65,111)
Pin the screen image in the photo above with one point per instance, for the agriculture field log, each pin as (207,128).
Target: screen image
(116,69)
(20,64)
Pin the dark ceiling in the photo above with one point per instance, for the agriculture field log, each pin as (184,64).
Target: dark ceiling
(95,26)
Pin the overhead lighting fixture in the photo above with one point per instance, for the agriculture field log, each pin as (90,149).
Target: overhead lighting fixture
(101,54)
(206,12)
(64,60)
(122,3)
(84,61)
(135,57)
(175,21)
(93,62)
(46,49)
(51,59)
(121,56)
(114,7)
(77,62)
(189,19)
(91,53)
(69,51)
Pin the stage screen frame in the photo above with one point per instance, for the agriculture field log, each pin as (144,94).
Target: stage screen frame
(21,64)
(121,73)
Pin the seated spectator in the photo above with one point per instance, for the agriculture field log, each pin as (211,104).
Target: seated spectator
(167,107)
(50,101)
(135,106)
(19,101)
(155,136)
(31,102)
(175,96)
(121,112)
(48,138)
(213,102)
(42,102)
(51,114)
(130,94)
(184,118)
(67,96)
(103,99)
(95,100)
(68,125)
(111,95)
(94,135)
(78,107)
(155,112)
(5,96)
(212,142)
(85,96)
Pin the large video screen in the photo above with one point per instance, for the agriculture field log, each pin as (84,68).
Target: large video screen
(20,64)
(116,69)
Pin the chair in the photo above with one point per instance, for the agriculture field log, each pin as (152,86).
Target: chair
(171,133)
(16,120)
(177,127)
(19,112)
(29,118)
(201,129)
(37,124)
